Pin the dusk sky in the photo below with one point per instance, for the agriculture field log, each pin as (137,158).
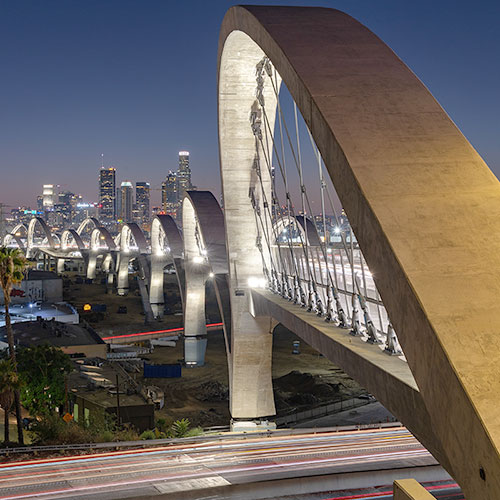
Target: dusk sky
(136,81)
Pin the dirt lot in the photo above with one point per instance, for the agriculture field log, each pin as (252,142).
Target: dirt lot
(112,323)
(300,381)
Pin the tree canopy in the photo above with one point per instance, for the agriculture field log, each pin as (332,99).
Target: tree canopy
(43,370)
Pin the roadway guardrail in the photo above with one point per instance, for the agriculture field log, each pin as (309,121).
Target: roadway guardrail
(149,443)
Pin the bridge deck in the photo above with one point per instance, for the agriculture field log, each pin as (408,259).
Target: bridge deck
(387,377)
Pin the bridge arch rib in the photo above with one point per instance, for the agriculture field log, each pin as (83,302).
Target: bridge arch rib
(99,236)
(30,243)
(20,231)
(166,246)
(205,257)
(409,182)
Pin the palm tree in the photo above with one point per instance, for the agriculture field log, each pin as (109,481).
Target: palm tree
(12,267)
(9,383)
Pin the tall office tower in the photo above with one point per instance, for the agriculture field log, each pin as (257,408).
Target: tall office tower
(126,201)
(63,209)
(142,196)
(39,203)
(170,194)
(107,193)
(183,181)
(48,197)
(183,174)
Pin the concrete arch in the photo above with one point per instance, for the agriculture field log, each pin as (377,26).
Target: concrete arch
(408,181)
(30,246)
(100,234)
(69,234)
(8,238)
(89,221)
(131,231)
(166,246)
(204,255)
(16,235)
(302,222)
(66,236)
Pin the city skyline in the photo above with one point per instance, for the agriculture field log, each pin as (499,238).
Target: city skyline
(113,87)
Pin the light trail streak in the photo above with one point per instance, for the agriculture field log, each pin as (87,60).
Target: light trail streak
(255,459)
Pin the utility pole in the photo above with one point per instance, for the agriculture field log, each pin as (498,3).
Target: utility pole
(118,402)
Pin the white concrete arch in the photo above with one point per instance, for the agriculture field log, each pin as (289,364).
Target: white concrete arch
(31,245)
(166,246)
(67,236)
(101,244)
(133,245)
(71,234)
(301,223)
(204,256)
(17,234)
(408,181)
(90,222)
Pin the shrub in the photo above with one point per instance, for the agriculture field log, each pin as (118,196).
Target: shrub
(100,422)
(180,428)
(161,425)
(52,429)
(148,435)
(126,434)
(106,437)
(195,431)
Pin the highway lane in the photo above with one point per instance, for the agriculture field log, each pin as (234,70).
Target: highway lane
(174,469)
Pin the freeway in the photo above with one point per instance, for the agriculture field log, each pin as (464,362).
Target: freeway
(187,467)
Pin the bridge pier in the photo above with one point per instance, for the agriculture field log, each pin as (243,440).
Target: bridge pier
(251,385)
(156,295)
(195,330)
(122,282)
(60,265)
(92,265)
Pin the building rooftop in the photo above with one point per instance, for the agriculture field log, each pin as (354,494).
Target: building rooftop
(32,333)
(35,274)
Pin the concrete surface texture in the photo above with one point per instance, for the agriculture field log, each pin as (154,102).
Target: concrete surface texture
(409,182)
(409,489)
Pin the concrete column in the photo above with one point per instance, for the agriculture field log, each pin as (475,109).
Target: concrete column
(409,489)
(195,330)
(92,264)
(122,283)
(60,265)
(156,296)
(251,394)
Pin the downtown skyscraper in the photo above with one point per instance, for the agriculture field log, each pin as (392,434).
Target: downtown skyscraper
(142,202)
(125,201)
(183,174)
(107,195)
(174,187)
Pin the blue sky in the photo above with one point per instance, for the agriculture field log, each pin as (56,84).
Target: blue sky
(136,80)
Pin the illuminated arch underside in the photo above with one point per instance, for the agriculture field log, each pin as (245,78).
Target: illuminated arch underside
(409,182)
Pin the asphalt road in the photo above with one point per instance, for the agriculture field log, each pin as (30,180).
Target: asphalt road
(189,467)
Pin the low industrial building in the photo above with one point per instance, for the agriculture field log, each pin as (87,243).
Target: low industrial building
(72,339)
(38,286)
(93,388)
(134,411)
